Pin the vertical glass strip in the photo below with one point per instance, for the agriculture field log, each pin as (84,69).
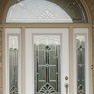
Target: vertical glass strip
(13,64)
(80,54)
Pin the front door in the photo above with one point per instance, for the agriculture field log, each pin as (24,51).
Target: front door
(47,60)
(54,61)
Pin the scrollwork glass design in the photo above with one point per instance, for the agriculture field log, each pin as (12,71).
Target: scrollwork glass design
(80,41)
(13,64)
(47,64)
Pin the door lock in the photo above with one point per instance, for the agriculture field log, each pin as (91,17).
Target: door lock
(66,86)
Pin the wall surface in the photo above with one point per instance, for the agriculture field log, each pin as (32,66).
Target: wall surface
(90,4)
(3,4)
(1,65)
(93,58)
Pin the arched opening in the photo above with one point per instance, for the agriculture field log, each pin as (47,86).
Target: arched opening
(30,11)
(52,47)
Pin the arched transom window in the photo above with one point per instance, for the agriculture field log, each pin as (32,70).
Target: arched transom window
(62,11)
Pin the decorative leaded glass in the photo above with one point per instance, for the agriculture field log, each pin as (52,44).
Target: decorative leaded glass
(47,64)
(80,41)
(13,64)
(61,11)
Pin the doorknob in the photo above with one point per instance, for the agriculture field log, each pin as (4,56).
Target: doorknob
(66,86)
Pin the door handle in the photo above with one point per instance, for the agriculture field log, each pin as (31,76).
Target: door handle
(66,86)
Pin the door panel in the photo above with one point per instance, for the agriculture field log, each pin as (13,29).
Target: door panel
(47,60)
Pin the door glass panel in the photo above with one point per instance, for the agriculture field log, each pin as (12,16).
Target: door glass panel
(13,64)
(47,64)
(80,39)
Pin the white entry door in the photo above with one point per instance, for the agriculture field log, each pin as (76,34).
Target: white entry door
(47,60)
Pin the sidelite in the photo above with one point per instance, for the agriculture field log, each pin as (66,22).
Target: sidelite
(13,64)
(80,39)
(47,64)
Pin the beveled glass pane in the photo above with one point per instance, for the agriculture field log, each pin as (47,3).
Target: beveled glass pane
(80,41)
(47,64)
(42,73)
(54,85)
(53,72)
(41,54)
(13,64)
(52,57)
(40,84)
